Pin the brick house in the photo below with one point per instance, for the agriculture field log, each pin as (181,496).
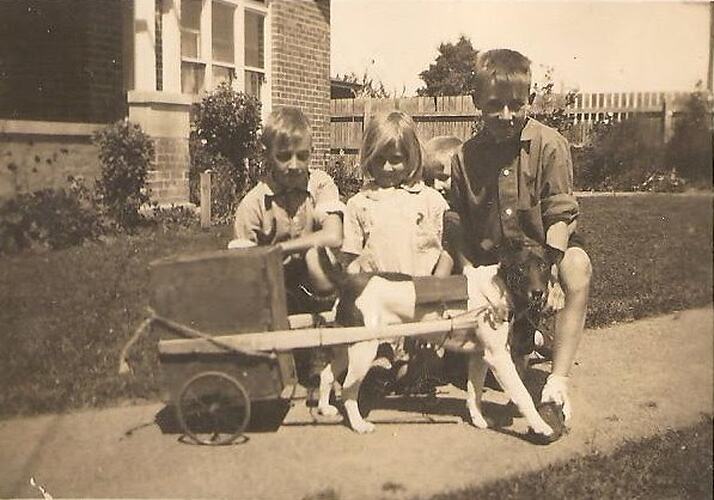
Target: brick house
(68,67)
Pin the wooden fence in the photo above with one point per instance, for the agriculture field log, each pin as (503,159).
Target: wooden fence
(455,115)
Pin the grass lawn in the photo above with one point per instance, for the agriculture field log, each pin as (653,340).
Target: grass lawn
(65,315)
(674,465)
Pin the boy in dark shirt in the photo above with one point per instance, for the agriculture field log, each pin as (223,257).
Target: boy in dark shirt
(513,182)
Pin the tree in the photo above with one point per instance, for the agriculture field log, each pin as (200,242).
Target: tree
(690,149)
(551,108)
(369,86)
(453,71)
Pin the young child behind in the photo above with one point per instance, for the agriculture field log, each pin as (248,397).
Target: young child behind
(294,207)
(437,162)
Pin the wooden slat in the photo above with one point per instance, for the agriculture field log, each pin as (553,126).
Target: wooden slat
(287,340)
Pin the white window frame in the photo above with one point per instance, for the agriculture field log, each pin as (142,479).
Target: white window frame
(239,67)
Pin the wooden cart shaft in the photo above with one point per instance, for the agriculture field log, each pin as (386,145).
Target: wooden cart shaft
(287,340)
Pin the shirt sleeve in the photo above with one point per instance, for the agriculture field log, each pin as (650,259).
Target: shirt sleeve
(247,221)
(353,241)
(437,207)
(456,193)
(559,207)
(326,196)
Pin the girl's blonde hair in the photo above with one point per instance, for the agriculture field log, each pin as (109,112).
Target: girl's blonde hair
(385,130)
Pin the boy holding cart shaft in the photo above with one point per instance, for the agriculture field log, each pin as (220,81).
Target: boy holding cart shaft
(296,208)
(513,183)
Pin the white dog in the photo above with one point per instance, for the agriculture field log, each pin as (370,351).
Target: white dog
(382,299)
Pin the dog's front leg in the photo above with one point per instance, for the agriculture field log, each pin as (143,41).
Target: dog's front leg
(328,375)
(494,337)
(360,357)
(474,389)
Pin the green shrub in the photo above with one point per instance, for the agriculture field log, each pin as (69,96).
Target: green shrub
(618,156)
(224,135)
(690,149)
(552,109)
(175,217)
(49,218)
(125,154)
(228,186)
(346,176)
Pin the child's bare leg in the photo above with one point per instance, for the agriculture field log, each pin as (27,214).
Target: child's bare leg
(574,271)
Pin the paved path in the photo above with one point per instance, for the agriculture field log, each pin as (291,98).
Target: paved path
(631,381)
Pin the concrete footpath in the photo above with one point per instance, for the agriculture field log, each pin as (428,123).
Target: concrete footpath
(631,381)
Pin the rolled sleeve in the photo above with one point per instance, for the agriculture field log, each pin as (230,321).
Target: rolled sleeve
(326,196)
(457,183)
(559,207)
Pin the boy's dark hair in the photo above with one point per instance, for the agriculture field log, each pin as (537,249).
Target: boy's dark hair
(501,65)
(285,124)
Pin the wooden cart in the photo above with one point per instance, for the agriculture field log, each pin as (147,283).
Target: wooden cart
(230,309)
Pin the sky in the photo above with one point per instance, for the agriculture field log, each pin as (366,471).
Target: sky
(592,46)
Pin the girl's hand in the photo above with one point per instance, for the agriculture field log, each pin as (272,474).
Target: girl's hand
(556,296)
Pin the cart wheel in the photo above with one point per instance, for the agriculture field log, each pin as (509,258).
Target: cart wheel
(213,408)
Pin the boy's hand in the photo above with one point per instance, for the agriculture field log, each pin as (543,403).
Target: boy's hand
(555,391)
(556,296)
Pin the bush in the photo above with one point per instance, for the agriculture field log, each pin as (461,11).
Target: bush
(346,176)
(125,154)
(552,109)
(174,217)
(618,156)
(49,219)
(690,149)
(224,135)
(228,186)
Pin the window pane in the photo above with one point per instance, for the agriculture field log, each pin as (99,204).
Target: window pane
(190,44)
(222,33)
(191,78)
(253,83)
(191,14)
(254,40)
(190,28)
(221,74)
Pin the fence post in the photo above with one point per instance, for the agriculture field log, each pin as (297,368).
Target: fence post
(206,199)
(667,114)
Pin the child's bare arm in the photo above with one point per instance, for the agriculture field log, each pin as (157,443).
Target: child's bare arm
(330,236)
(444,265)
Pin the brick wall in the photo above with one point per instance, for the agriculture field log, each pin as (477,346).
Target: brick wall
(61,60)
(301,65)
(169,179)
(32,162)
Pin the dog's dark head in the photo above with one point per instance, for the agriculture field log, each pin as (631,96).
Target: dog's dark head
(525,271)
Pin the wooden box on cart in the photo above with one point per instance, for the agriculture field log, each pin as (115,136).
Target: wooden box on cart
(224,292)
